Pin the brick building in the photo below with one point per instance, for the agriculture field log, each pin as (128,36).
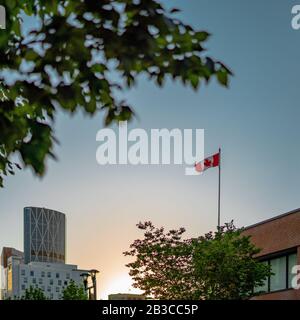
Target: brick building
(279,239)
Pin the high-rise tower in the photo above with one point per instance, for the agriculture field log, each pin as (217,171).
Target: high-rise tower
(44,235)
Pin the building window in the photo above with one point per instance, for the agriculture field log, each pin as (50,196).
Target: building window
(57,275)
(40,281)
(23,272)
(25,279)
(57,289)
(278,279)
(43,274)
(68,276)
(49,274)
(282,276)
(34,280)
(32,273)
(51,281)
(23,287)
(49,289)
(59,282)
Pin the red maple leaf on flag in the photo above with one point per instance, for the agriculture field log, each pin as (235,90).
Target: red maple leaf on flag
(210,162)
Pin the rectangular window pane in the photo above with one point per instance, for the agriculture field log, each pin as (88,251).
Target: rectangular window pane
(292,262)
(264,287)
(278,280)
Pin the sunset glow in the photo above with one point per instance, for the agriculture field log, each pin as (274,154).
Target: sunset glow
(122,283)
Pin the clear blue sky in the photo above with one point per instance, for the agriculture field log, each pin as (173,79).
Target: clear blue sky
(255,121)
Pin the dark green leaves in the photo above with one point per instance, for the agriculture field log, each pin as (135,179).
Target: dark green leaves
(74,292)
(219,265)
(33,152)
(121,113)
(73,50)
(222,78)
(33,294)
(201,35)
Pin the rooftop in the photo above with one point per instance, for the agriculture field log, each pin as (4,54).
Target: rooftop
(274,218)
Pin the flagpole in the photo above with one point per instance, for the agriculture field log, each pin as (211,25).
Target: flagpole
(219,191)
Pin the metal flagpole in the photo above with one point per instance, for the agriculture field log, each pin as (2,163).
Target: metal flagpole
(219,191)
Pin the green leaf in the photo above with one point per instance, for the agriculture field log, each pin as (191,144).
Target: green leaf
(201,36)
(222,77)
(194,79)
(84,55)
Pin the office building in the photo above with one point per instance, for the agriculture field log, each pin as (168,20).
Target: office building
(44,235)
(42,265)
(8,252)
(51,278)
(279,239)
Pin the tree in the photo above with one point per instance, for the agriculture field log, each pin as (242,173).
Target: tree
(225,262)
(34,294)
(219,265)
(70,57)
(74,292)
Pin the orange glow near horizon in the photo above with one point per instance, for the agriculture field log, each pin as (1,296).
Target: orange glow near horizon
(122,283)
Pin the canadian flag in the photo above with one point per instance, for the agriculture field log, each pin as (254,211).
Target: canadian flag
(210,162)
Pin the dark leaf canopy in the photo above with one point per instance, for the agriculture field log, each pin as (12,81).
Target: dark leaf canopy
(79,55)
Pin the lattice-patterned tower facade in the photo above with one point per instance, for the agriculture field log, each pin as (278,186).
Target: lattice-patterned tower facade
(44,235)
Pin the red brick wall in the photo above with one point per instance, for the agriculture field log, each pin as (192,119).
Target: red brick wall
(280,295)
(278,235)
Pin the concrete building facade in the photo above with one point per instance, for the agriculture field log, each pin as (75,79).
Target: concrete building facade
(51,278)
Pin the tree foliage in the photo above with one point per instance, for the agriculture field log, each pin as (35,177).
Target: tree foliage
(219,265)
(70,58)
(34,294)
(74,292)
